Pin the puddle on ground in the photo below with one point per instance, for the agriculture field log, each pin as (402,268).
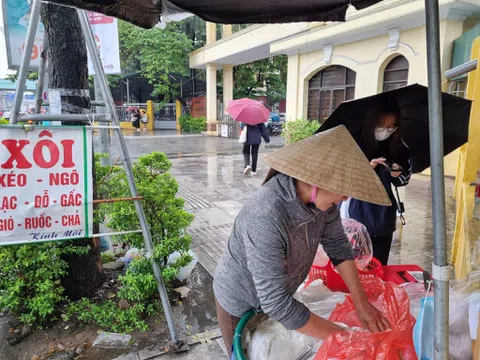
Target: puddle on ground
(198,308)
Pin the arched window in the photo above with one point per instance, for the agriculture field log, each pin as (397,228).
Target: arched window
(328,89)
(396,73)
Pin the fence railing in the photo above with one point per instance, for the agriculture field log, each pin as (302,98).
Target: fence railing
(123,114)
(167,112)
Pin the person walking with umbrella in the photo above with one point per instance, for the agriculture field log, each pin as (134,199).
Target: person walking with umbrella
(252,115)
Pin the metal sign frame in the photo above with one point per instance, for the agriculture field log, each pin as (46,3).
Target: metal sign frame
(110,116)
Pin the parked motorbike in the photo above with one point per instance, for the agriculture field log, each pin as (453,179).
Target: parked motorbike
(274,128)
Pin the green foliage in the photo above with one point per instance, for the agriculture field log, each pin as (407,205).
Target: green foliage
(191,124)
(30,280)
(155,54)
(164,211)
(138,292)
(107,257)
(32,75)
(4,121)
(266,77)
(297,130)
(108,316)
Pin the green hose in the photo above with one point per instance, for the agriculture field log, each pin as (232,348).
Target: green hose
(237,336)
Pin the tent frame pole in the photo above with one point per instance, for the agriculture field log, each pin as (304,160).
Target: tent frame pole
(25,64)
(441,268)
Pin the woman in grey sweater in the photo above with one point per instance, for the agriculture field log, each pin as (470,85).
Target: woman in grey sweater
(276,235)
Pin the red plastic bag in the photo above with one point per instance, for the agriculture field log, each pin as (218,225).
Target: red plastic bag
(394,304)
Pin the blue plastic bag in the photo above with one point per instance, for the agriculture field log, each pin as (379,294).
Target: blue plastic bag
(424,329)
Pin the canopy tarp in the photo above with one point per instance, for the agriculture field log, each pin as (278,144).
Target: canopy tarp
(146,13)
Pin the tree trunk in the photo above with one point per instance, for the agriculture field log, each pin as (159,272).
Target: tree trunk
(68,70)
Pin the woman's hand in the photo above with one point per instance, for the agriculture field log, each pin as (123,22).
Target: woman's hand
(371,318)
(379,161)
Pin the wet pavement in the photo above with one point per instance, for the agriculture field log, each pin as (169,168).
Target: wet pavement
(209,171)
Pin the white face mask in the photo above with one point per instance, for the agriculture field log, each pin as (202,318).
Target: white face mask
(382,134)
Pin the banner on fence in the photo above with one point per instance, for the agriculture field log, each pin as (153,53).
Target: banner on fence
(16,17)
(46,187)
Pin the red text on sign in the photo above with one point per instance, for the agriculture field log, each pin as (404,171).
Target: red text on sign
(16,151)
(13,180)
(8,203)
(38,222)
(71,199)
(7,224)
(64,178)
(71,220)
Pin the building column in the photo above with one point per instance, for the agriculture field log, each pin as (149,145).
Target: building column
(227,84)
(211,99)
(292,87)
(226,31)
(211,33)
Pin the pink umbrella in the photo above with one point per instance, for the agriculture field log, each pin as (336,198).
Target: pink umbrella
(248,111)
(131,108)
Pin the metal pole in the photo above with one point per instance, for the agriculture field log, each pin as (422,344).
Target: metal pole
(441,269)
(103,133)
(27,54)
(461,69)
(128,90)
(91,46)
(41,76)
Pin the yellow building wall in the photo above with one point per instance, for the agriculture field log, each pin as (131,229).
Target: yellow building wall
(467,229)
(368,58)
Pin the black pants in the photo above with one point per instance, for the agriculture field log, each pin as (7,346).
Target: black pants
(381,247)
(246,155)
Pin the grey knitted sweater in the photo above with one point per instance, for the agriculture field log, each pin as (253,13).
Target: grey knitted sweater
(270,251)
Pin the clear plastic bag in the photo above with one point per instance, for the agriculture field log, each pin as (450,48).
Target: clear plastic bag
(460,293)
(321,259)
(361,243)
(271,341)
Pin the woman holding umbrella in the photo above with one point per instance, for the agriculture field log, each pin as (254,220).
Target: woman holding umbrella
(252,144)
(381,141)
(277,233)
(252,115)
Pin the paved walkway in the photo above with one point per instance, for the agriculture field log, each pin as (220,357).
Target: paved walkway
(209,170)
(214,189)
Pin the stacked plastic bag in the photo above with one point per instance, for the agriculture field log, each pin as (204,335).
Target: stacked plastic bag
(462,294)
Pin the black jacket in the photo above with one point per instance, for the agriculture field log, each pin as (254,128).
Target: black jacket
(381,220)
(255,134)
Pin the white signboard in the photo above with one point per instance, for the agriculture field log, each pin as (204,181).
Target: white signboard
(224,130)
(16,15)
(46,190)
(105,30)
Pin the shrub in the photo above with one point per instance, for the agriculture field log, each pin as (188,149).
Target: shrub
(4,121)
(191,124)
(166,218)
(108,316)
(297,130)
(30,278)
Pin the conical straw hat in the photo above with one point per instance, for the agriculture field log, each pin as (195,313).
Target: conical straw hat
(333,161)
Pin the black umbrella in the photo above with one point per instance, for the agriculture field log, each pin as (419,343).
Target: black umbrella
(146,13)
(413,103)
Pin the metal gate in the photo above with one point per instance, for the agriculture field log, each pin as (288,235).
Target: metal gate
(229,128)
(165,116)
